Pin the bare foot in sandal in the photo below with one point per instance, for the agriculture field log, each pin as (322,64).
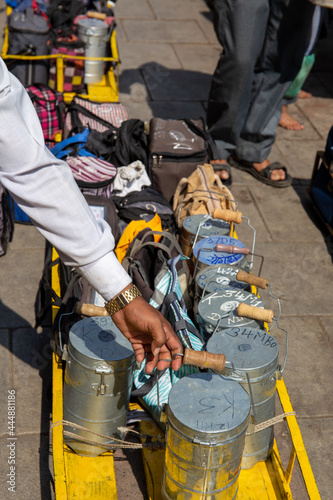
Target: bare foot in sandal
(224,173)
(273,174)
(276,174)
(288,122)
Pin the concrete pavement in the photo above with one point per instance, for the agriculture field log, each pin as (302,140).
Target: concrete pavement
(168,51)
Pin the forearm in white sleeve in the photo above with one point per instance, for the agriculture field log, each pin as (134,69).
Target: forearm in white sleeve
(45,189)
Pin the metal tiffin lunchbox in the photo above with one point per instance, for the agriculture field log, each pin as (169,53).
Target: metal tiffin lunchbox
(252,360)
(230,307)
(98,380)
(197,227)
(207,418)
(215,278)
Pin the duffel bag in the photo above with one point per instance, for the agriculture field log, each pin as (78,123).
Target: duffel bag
(99,116)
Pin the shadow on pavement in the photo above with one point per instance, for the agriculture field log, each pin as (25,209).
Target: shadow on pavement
(33,349)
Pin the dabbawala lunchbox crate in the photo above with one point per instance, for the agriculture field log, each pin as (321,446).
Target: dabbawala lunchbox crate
(93,477)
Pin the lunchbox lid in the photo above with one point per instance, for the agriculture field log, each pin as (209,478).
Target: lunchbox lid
(220,307)
(218,277)
(251,350)
(208,406)
(210,256)
(98,338)
(209,226)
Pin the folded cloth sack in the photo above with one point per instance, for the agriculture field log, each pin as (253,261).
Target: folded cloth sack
(131,178)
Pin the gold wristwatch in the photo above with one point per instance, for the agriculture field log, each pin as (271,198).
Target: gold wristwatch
(122,300)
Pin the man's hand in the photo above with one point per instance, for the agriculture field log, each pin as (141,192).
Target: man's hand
(149,333)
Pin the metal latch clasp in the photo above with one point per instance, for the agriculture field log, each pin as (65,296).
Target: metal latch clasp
(102,369)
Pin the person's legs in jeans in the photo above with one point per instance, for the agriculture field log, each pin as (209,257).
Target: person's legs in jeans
(240,26)
(286,41)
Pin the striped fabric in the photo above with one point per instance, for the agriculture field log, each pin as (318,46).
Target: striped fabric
(90,168)
(112,112)
(168,284)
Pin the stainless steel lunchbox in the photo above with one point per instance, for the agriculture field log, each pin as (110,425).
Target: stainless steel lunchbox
(98,379)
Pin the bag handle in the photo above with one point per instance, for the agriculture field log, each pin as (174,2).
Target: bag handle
(165,234)
(205,135)
(142,243)
(74,110)
(75,139)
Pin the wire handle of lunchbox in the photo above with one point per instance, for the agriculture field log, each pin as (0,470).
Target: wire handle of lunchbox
(267,315)
(61,347)
(240,374)
(236,217)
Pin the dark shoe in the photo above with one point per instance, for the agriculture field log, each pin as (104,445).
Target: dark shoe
(263,175)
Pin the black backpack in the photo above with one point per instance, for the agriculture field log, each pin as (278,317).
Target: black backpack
(62,13)
(146,260)
(143,205)
(120,146)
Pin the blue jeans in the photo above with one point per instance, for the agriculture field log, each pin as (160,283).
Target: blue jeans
(263,42)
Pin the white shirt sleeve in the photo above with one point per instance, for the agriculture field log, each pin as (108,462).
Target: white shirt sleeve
(45,189)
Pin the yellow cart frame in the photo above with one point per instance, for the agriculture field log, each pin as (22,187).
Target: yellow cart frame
(107,90)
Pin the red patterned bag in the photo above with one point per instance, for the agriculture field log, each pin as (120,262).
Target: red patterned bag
(99,116)
(49,105)
(73,68)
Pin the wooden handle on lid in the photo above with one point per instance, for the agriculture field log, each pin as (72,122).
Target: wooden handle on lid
(255,312)
(96,15)
(231,249)
(251,279)
(227,215)
(204,359)
(90,310)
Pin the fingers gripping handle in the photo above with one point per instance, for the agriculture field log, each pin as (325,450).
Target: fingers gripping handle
(90,310)
(255,312)
(251,279)
(227,215)
(204,359)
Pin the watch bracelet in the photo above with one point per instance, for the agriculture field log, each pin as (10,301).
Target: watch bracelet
(122,300)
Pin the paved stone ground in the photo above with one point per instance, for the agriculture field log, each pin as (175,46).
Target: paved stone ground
(169,51)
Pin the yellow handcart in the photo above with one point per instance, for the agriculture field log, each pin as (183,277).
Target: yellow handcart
(79,477)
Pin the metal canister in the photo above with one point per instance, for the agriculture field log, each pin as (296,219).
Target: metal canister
(198,227)
(95,35)
(98,381)
(253,352)
(218,311)
(207,418)
(205,253)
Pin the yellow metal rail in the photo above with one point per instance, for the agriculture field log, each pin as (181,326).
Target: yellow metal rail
(107,90)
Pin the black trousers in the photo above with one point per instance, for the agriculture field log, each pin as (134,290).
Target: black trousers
(263,43)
